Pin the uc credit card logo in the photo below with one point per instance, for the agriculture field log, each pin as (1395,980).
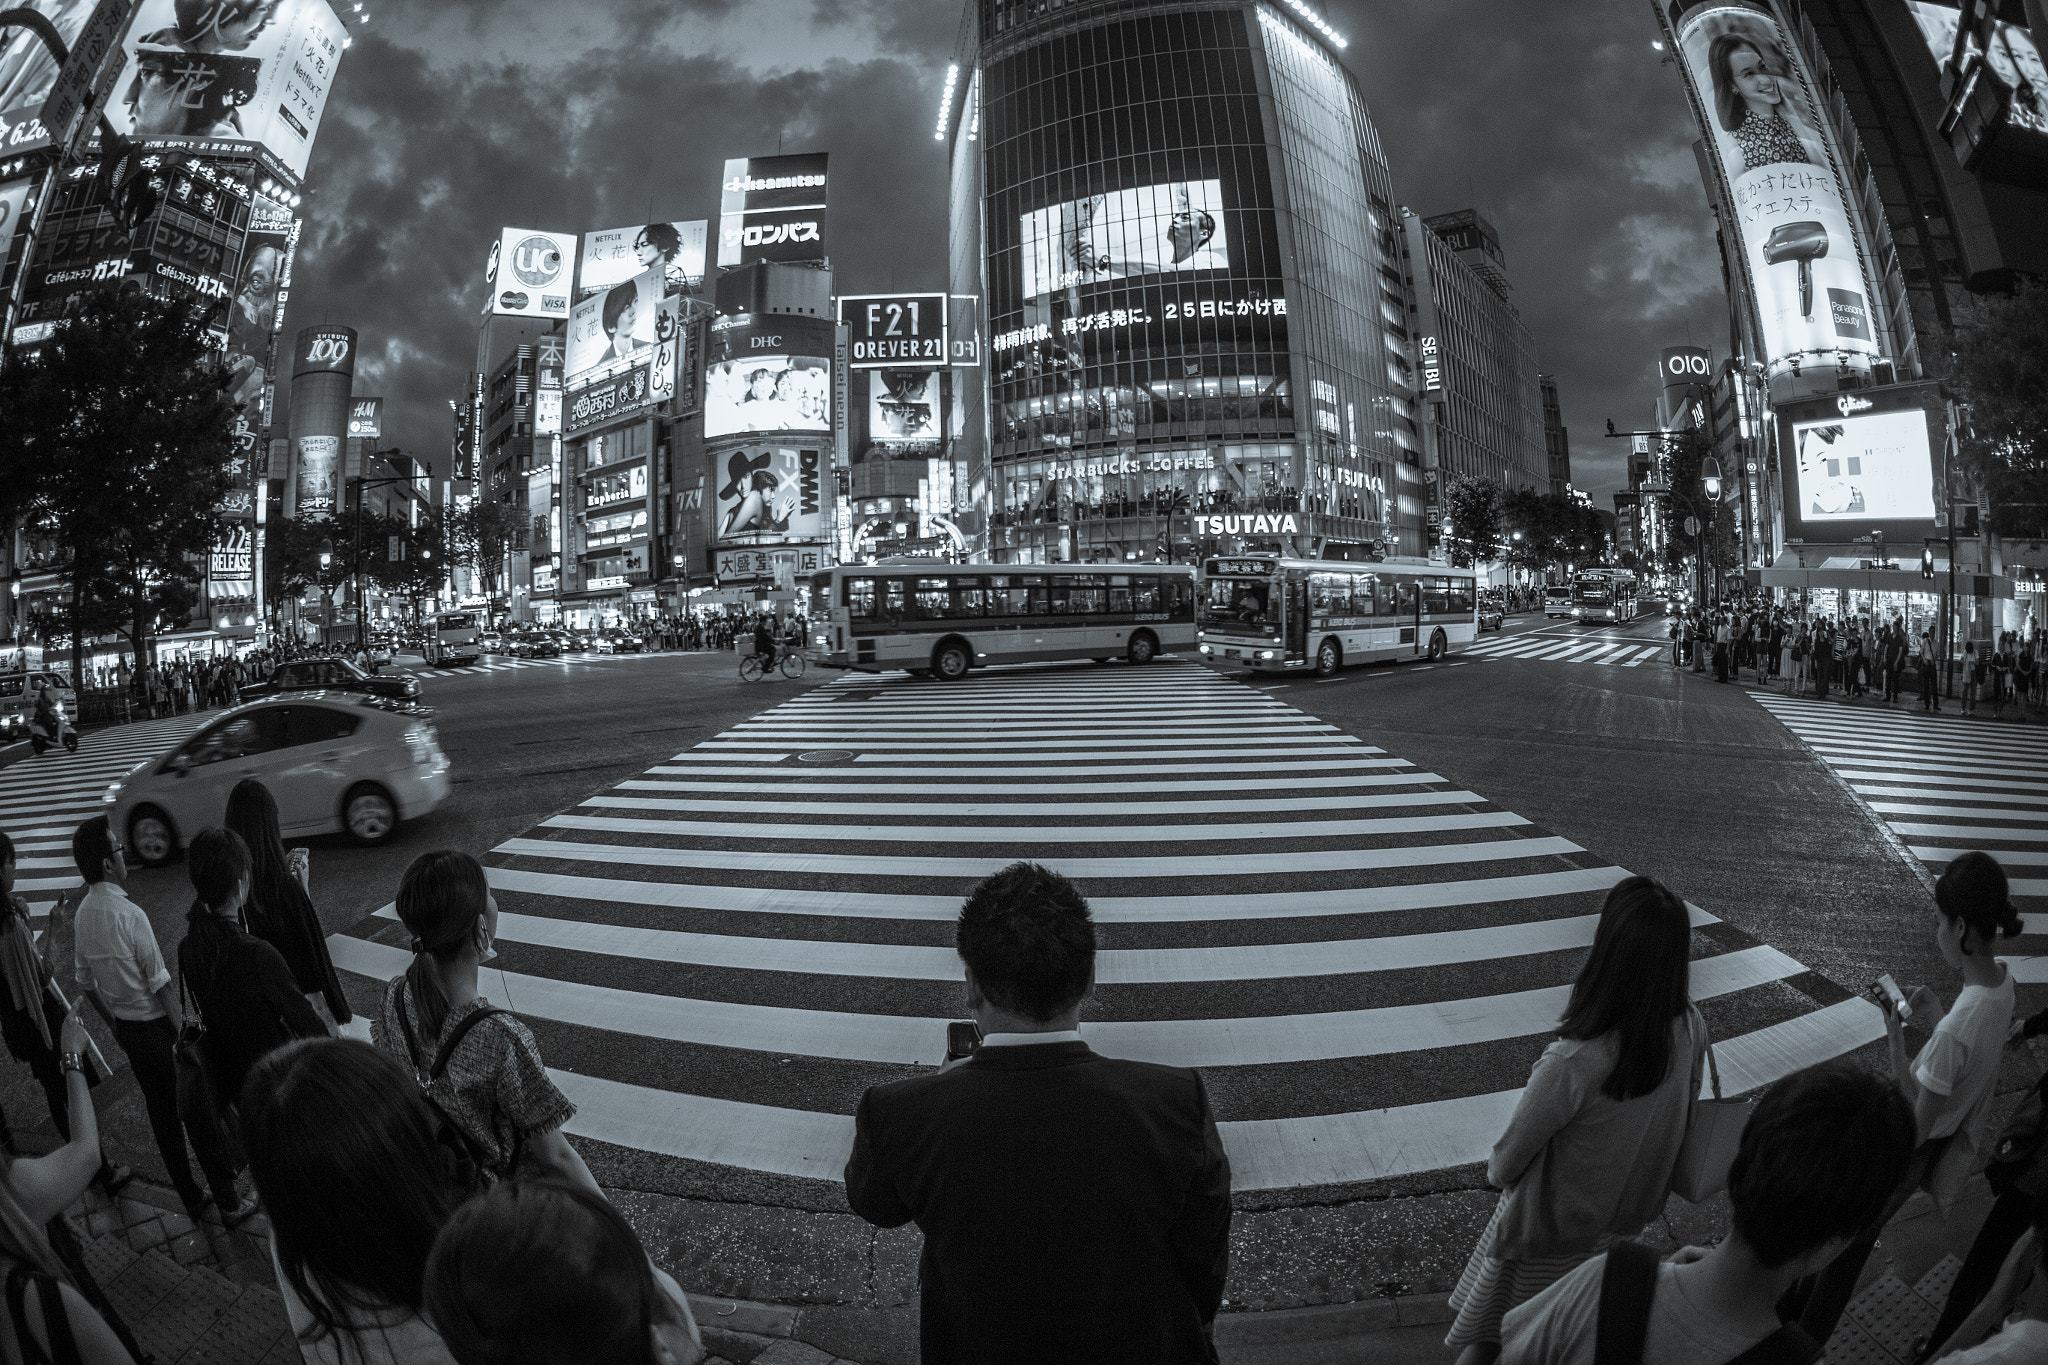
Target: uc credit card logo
(536,262)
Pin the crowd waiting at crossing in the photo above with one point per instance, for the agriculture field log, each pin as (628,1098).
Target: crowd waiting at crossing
(426,1208)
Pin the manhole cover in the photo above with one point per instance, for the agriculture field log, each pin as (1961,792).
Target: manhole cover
(826,756)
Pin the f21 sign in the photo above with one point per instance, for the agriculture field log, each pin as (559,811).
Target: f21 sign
(895,329)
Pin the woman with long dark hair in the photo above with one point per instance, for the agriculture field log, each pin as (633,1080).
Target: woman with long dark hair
(494,1086)
(1587,1157)
(541,1272)
(280,912)
(345,1156)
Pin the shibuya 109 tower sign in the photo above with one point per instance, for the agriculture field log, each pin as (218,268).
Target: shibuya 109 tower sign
(1803,250)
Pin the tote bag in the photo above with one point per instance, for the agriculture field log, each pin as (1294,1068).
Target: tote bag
(1713,1132)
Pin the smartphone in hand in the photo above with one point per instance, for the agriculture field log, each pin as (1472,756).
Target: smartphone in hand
(1884,988)
(963,1039)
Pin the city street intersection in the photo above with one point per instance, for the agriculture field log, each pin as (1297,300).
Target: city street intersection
(1356,903)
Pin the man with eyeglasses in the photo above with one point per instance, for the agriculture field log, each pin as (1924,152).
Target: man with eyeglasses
(117,961)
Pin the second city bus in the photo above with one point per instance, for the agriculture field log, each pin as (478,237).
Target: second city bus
(1604,595)
(945,619)
(1281,614)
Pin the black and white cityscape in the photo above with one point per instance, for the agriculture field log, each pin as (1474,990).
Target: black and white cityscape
(1172,682)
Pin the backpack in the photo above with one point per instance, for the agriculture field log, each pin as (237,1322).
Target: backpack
(1627,1286)
(469,1161)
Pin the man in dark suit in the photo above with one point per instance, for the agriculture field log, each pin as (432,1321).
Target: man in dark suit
(1075,1208)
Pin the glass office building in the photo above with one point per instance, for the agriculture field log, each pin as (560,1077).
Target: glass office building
(1181,221)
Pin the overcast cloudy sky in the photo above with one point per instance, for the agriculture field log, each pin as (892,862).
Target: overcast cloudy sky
(454,118)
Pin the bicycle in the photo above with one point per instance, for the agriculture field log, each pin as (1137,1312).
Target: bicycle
(792,665)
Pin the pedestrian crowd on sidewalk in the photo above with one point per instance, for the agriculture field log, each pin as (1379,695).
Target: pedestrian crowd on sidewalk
(427,1209)
(1848,657)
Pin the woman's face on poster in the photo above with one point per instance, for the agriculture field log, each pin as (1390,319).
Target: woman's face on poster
(1753,80)
(762,386)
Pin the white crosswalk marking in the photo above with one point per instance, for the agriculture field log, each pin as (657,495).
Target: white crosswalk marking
(42,800)
(1573,647)
(721,953)
(1944,784)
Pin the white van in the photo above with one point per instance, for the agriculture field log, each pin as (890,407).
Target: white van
(1557,600)
(18,700)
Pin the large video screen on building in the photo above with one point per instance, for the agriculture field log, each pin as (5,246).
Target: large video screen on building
(903,406)
(1125,234)
(2011,54)
(617,324)
(238,71)
(771,493)
(768,393)
(1871,467)
(1764,125)
(26,69)
(614,255)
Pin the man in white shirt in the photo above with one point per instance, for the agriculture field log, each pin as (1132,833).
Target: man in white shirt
(1797,1204)
(116,960)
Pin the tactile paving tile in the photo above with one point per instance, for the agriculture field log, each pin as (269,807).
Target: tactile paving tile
(177,1323)
(1893,1315)
(245,1334)
(143,1285)
(1851,1345)
(1938,1280)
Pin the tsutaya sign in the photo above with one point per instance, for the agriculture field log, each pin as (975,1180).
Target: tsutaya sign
(1281,525)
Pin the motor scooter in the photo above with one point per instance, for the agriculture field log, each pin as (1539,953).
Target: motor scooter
(40,739)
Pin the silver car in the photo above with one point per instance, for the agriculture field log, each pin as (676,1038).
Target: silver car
(336,762)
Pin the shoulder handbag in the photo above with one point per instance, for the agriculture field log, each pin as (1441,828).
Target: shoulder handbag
(1713,1133)
(1628,1286)
(63,1349)
(471,1163)
(199,1099)
(2019,1158)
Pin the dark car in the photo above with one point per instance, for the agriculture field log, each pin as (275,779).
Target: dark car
(1493,613)
(334,675)
(536,644)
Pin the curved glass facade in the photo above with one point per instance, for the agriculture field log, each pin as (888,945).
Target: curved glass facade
(1176,211)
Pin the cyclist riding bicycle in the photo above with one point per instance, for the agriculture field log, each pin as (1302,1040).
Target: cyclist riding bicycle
(764,643)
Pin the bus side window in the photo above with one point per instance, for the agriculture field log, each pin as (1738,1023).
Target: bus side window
(1436,599)
(1319,592)
(1003,600)
(1120,594)
(895,601)
(969,599)
(1362,594)
(1038,594)
(1461,597)
(860,598)
(1088,594)
(1404,597)
(934,599)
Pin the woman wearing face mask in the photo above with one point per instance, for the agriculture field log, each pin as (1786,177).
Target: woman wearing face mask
(537,1272)
(495,1087)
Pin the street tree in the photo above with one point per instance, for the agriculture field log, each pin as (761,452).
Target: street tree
(1999,371)
(1556,533)
(117,435)
(481,535)
(1473,508)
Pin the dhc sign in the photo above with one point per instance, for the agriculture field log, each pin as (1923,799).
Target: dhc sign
(1282,525)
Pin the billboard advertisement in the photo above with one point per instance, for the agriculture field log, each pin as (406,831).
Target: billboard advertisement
(1863,461)
(616,255)
(668,343)
(772,208)
(1763,126)
(894,329)
(2012,57)
(239,72)
(319,469)
(252,319)
(768,393)
(325,350)
(528,273)
(1125,234)
(12,199)
(903,407)
(366,418)
(1678,369)
(599,403)
(617,325)
(771,493)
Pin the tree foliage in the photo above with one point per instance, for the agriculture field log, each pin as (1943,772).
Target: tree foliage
(116,433)
(481,535)
(1999,373)
(1556,533)
(1472,506)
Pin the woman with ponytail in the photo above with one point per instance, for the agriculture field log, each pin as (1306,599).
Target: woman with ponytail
(494,1086)
(1951,1080)
(280,910)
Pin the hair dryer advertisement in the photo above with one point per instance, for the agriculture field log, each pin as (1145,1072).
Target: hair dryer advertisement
(1762,122)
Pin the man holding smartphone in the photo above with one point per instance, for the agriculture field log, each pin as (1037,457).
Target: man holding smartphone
(1075,1208)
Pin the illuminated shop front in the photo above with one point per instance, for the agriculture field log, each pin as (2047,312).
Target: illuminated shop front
(1193,284)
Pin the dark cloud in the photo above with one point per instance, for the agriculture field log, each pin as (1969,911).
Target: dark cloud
(1558,122)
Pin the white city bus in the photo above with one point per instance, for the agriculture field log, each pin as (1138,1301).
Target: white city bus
(1605,595)
(944,619)
(453,639)
(1282,614)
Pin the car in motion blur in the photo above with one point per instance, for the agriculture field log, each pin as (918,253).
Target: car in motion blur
(331,675)
(619,642)
(336,762)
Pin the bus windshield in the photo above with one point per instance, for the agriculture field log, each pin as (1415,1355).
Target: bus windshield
(1595,589)
(456,621)
(1240,605)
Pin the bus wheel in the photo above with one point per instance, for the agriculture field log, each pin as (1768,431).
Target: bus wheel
(951,662)
(1142,648)
(1437,646)
(1329,659)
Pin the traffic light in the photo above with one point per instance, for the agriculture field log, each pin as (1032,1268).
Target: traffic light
(1927,562)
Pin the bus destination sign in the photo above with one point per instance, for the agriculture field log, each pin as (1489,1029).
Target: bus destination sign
(1241,568)
(895,329)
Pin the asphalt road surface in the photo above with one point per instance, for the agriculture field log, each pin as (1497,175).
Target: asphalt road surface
(1356,903)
